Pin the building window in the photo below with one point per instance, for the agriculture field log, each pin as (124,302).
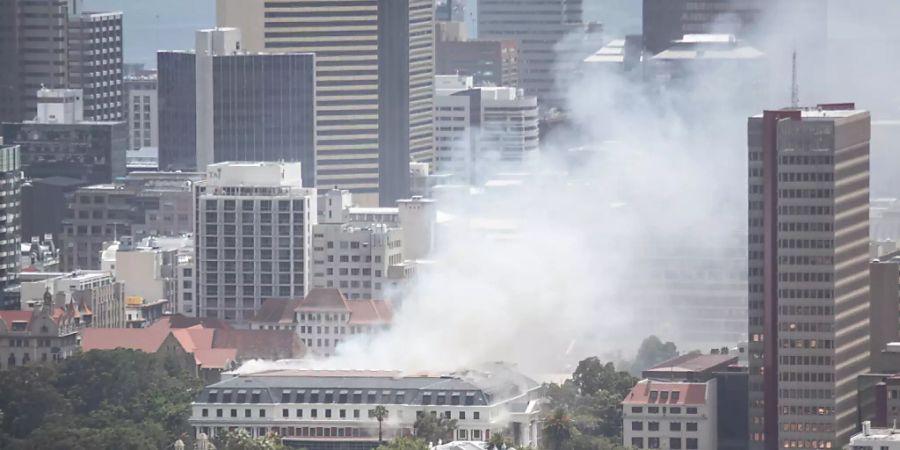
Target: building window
(675,443)
(247,413)
(204,412)
(262,413)
(691,444)
(675,426)
(285,413)
(218,413)
(637,426)
(692,410)
(653,442)
(653,426)
(233,412)
(637,442)
(692,426)
(476,415)
(637,409)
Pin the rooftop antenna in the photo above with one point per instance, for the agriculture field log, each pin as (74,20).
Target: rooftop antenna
(795,86)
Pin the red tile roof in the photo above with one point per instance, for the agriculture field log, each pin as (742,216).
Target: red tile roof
(146,340)
(369,312)
(658,393)
(10,316)
(327,299)
(215,358)
(277,310)
(694,363)
(261,344)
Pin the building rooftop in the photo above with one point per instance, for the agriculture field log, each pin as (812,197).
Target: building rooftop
(493,384)
(826,111)
(613,52)
(666,393)
(694,363)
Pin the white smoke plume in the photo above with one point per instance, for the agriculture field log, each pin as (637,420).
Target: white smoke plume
(560,261)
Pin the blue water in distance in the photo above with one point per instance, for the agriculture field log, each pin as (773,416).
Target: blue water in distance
(152,25)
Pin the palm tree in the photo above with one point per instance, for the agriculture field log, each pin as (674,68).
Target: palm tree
(498,442)
(558,428)
(380,413)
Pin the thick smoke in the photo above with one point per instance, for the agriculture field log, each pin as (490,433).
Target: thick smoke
(575,254)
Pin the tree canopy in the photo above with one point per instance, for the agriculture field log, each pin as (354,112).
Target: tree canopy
(239,440)
(114,399)
(652,352)
(432,427)
(584,411)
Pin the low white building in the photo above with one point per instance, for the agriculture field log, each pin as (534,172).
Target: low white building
(476,127)
(673,415)
(875,439)
(354,249)
(676,405)
(324,409)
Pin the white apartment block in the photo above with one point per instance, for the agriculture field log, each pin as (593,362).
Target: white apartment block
(478,127)
(671,415)
(185,296)
(141,108)
(325,318)
(355,259)
(319,410)
(253,236)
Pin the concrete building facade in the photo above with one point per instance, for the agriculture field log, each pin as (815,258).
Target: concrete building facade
(808,274)
(58,45)
(142,111)
(326,409)
(374,94)
(60,143)
(246,106)
(489,63)
(253,236)
(539,28)
(142,204)
(481,129)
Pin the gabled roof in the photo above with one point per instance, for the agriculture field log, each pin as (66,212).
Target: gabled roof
(146,340)
(277,310)
(323,299)
(260,344)
(369,311)
(180,321)
(215,358)
(10,316)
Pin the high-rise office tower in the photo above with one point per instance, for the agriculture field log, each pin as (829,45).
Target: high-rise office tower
(10,219)
(374,94)
(95,64)
(808,274)
(244,106)
(253,235)
(547,33)
(57,45)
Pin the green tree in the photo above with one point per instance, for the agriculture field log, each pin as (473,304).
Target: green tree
(433,427)
(592,399)
(240,440)
(557,428)
(404,443)
(117,399)
(652,352)
(592,376)
(380,413)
